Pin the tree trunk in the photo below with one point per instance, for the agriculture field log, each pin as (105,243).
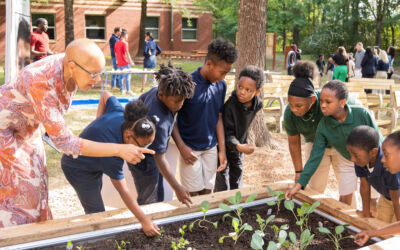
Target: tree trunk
(296,34)
(69,21)
(393,37)
(381,10)
(284,41)
(252,21)
(143,15)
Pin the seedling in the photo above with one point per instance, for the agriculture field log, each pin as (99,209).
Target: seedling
(238,231)
(281,237)
(182,241)
(70,246)
(162,231)
(303,213)
(257,241)
(278,195)
(305,239)
(204,206)
(337,237)
(277,230)
(122,245)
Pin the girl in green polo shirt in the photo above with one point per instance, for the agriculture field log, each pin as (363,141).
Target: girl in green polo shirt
(338,121)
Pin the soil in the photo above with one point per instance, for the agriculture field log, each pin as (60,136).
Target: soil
(201,238)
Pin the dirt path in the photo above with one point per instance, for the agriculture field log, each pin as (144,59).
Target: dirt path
(262,167)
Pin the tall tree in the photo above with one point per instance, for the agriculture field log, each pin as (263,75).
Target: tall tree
(69,21)
(142,29)
(252,22)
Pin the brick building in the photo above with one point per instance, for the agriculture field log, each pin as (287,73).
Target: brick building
(96,20)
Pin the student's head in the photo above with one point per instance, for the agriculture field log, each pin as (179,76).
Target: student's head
(294,47)
(391,51)
(220,57)
(350,56)
(342,51)
(391,152)
(301,96)
(377,50)
(251,81)
(333,97)
(124,33)
(383,56)
(23,44)
(362,144)
(174,86)
(117,31)
(359,46)
(305,69)
(368,52)
(41,24)
(148,36)
(138,128)
(321,57)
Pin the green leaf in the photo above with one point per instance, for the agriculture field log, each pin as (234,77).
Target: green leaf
(238,197)
(235,223)
(246,227)
(299,223)
(221,240)
(232,200)
(284,227)
(259,219)
(225,207)
(324,230)
(300,212)
(261,233)
(279,194)
(270,191)
(282,236)
(314,206)
(191,226)
(292,237)
(224,217)
(205,205)
(272,246)
(239,209)
(339,229)
(271,217)
(271,203)
(251,198)
(286,244)
(215,224)
(305,235)
(257,241)
(289,205)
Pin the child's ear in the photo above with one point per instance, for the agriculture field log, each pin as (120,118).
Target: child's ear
(343,102)
(373,153)
(258,92)
(313,98)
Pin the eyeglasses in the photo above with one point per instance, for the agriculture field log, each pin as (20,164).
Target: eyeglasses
(94,76)
(142,146)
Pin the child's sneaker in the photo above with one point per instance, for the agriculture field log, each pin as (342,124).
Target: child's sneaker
(130,93)
(123,92)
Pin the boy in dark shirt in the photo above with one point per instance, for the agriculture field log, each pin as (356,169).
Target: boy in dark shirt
(239,111)
(174,86)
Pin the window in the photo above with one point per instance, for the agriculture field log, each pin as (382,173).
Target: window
(152,25)
(95,26)
(51,30)
(189,29)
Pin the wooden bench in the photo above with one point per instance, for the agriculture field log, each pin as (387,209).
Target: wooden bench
(381,85)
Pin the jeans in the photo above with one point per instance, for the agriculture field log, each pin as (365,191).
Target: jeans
(148,181)
(231,177)
(88,188)
(127,79)
(115,81)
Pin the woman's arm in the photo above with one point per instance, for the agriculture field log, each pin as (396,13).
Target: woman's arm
(101,108)
(295,153)
(364,236)
(395,197)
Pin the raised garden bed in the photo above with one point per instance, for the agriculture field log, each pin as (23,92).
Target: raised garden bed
(262,226)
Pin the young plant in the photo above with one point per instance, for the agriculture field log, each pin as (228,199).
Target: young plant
(237,222)
(162,231)
(182,241)
(204,206)
(280,236)
(122,245)
(278,195)
(257,241)
(305,239)
(303,213)
(337,237)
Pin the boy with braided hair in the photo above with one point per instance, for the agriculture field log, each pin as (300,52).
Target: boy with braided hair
(174,86)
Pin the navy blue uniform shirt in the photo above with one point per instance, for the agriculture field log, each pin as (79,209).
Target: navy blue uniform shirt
(381,179)
(112,41)
(198,117)
(106,128)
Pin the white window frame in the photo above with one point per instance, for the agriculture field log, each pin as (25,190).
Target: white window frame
(189,29)
(96,28)
(156,29)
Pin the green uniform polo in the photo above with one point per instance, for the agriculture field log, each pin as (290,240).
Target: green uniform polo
(307,124)
(335,133)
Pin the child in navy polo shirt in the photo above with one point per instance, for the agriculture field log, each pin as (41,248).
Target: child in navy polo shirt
(239,111)
(363,146)
(174,86)
(391,161)
(199,123)
(113,125)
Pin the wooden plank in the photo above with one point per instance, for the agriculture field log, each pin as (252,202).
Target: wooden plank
(388,244)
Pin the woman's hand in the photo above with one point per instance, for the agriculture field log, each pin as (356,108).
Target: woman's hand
(289,193)
(131,153)
(361,238)
(149,228)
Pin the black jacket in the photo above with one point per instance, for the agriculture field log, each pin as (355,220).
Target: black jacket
(237,118)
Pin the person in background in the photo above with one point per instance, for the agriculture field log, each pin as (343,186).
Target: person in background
(351,66)
(23,44)
(239,111)
(151,50)
(329,70)
(390,53)
(291,59)
(40,41)
(115,80)
(321,66)
(383,65)
(123,61)
(341,62)
(391,161)
(113,124)
(358,59)
(369,64)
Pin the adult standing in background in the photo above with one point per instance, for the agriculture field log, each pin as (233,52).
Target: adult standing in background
(114,39)
(291,59)
(359,57)
(151,50)
(40,41)
(369,63)
(390,53)
(383,65)
(123,61)
(341,62)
